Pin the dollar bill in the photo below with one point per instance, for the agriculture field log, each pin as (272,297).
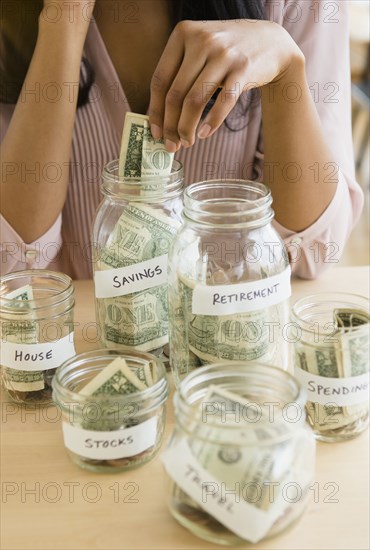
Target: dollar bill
(267,451)
(350,318)
(182,359)
(323,361)
(115,379)
(141,233)
(15,330)
(141,155)
(354,347)
(242,336)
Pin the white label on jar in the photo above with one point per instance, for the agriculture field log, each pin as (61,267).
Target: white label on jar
(111,445)
(41,356)
(339,391)
(227,506)
(134,278)
(243,297)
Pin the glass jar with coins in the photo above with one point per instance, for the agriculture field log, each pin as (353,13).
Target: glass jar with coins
(36,327)
(240,462)
(229,279)
(113,408)
(134,226)
(330,332)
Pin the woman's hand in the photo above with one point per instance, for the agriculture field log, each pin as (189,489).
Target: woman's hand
(201,57)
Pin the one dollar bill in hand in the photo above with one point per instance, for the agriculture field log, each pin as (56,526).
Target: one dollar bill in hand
(142,155)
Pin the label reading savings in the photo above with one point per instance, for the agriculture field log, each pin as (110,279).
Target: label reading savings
(242,297)
(126,280)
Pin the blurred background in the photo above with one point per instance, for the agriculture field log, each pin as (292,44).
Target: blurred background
(358,248)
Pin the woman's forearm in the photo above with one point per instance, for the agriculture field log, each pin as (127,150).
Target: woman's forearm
(35,152)
(299,167)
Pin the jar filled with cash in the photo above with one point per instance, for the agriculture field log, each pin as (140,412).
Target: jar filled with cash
(36,326)
(229,279)
(240,461)
(134,226)
(113,407)
(330,332)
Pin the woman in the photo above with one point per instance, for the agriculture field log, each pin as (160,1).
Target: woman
(295,134)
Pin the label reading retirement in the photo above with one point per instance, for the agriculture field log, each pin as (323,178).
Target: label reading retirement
(242,297)
(110,283)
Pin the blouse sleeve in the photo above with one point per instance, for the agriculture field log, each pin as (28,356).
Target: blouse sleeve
(15,254)
(321,30)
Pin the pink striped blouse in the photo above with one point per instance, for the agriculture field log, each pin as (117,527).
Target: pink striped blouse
(322,35)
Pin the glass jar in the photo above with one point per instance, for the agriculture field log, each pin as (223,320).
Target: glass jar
(229,279)
(109,431)
(331,360)
(36,327)
(241,459)
(133,229)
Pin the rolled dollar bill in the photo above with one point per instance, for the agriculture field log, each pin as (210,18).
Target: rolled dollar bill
(344,356)
(21,331)
(142,155)
(137,319)
(241,336)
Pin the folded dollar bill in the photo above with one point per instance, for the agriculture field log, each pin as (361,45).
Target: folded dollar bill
(13,329)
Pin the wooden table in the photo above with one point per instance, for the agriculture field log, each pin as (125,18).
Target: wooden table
(49,503)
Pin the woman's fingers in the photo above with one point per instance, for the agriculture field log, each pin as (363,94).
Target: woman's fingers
(197,60)
(187,75)
(162,79)
(231,90)
(196,99)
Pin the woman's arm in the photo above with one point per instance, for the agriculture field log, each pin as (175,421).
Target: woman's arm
(238,56)
(37,145)
(295,150)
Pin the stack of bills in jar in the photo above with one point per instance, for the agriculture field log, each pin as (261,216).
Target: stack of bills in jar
(144,231)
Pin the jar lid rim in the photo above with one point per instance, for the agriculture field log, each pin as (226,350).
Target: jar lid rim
(58,296)
(159,389)
(223,369)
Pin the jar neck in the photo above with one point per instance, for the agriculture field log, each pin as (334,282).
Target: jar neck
(74,373)
(262,386)
(147,189)
(228,204)
(50,290)
(314,316)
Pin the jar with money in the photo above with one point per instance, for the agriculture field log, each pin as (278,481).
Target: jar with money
(36,327)
(229,279)
(113,408)
(330,332)
(240,461)
(134,227)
